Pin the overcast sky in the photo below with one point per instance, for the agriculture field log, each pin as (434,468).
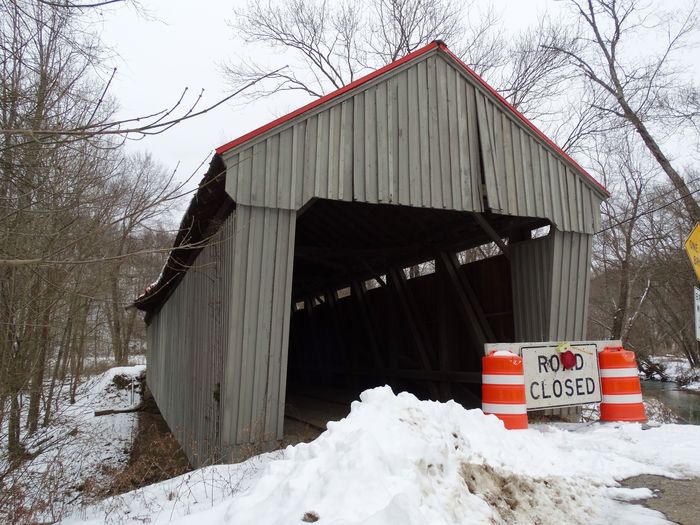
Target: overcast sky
(182,43)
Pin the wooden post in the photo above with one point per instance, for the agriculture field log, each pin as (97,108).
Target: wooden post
(415,323)
(359,294)
(332,302)
(467,299)
(488,229)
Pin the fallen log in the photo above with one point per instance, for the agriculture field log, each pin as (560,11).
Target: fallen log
(126,410)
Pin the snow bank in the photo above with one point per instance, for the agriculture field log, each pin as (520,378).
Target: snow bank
(396,459)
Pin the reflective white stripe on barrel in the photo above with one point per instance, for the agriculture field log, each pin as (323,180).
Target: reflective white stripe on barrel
(619,372)
(502,379)
(622,399)
(498,408)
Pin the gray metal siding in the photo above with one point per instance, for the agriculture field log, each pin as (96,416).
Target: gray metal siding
(409,139)
(570,286)
(186,348)
(531,275)
(255,366)
(415,137)
(225,328)
(550,280)
(525,178)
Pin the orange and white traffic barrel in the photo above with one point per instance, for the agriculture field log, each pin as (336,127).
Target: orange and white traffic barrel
(621,389)
(503,388)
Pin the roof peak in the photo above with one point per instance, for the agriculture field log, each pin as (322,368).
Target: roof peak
(438,45)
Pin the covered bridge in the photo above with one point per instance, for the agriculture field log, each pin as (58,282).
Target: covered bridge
(288,275)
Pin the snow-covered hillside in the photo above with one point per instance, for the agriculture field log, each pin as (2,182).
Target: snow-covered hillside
(396,459)
(76,452)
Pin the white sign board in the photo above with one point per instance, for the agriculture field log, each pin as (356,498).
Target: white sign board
(696,293)
(547,383)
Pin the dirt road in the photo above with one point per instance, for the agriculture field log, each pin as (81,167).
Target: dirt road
(677,499)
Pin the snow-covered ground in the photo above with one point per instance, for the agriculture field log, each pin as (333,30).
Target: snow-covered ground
(396,459)
(77,450)
(678,370)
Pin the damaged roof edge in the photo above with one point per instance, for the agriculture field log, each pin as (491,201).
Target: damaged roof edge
(209,206)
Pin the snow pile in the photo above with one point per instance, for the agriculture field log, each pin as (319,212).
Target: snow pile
(396,459)
(77,451)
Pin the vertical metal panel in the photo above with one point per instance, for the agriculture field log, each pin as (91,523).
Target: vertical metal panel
(381,158)
(186,347)
(260,294)
(509,160)
(333,181)
(454,149)
(403,151)
(531,274)
(285,166)
(435,175)
(346,158)
(414,133)
(271,174)
(423,133)
(358,148)
(570,280)
(550,280)
(297,182)
(310,145)
(323,130)
(370,138)
(444,144)
(393,131)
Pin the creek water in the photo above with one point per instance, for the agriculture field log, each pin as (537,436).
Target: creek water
(685,403)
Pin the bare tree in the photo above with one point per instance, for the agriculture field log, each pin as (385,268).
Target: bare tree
(62,196)
(629,234)
(334,43)
(644,90)
(536,74)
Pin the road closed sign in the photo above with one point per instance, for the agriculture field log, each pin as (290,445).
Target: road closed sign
(558,374)
(551,381)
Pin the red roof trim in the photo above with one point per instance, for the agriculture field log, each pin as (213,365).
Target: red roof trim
(363,80)
(522,117)
(433,45)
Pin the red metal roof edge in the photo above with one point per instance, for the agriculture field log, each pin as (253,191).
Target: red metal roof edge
(330,96)
(374,74)
(522,117)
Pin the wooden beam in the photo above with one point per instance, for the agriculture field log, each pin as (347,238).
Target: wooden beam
(488,229)
(359,295)
(467,299)
(444,346)
(309,312)
(414,321)
(446,376)
(332,302)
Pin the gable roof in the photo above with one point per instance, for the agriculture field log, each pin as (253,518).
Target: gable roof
(433,46)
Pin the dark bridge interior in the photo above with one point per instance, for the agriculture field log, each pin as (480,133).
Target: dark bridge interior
(385,294)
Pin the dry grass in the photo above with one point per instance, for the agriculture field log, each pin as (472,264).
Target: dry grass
(155,456)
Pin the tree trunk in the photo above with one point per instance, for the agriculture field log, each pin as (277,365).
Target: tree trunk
(37,379)
(622,302)
(691,205)
(14,446)
(57,365)
(115,321)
